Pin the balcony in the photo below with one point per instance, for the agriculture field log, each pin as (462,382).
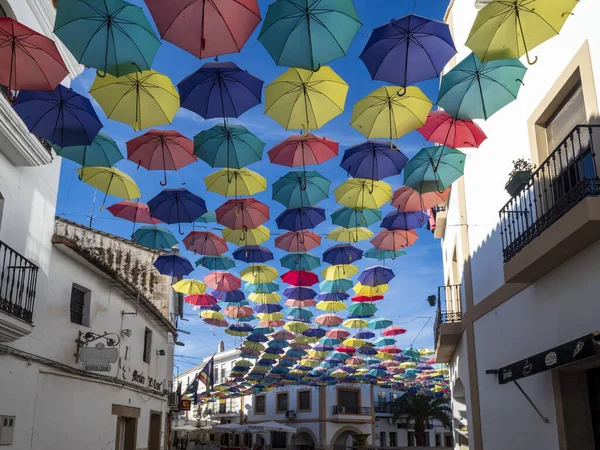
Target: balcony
(447,328)
(351,409)
(384,408)
(18,278)
(440,215)
(557,214)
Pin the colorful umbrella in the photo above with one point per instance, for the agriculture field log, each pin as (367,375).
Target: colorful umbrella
(253,254)
(204,28)
(362,310)
(328,320)
(443,128)
(300,314)
(370,291)
(308,33)
(262,288)
(404,220)
(374,276)
(135,212)
(110,181)
(232,296)
(207,217)
(237,312)
(300,303)
(434,169)
(173,265)
(300,278)
(350,234)
(177,206)
(28,59)
(259,273)
(375,253)
(239,214)
(373,160)
(244,236)
(296,327)
(342,254)
(223,281)
(301,189)
(406,199)
(297,219)
(300,293)
(154,237)
(235,182)
(140,99)
(200,300)
(393,331)
(300,261)
(301,150)
(301,99)
(189,286)
(352,218)
(216,262)
(205,243)
(332,286)
(335,296)
(339,271)
(476,90)
(228,145)
(331,306)
(362,193)
(61,116)
(103,152)
(408,50)
(299,241)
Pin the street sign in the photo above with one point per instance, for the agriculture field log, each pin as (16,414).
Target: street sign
(99,354)
(97,367)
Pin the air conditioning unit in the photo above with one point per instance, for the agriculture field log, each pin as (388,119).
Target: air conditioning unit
(290,414)
(341,410)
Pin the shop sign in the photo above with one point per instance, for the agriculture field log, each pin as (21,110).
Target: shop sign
(185,404)
(97,367)
(99,354)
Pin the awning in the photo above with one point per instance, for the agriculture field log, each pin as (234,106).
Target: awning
(271,426)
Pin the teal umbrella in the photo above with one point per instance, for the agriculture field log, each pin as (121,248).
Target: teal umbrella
(476,90)
(300,261)
(362,309)
(301,189)
(308,33)
(102,152)
(216,262)
(261,288)
(352,218)
(375,253)
(411,353)
(383,341)
(228,145)
(207,217)
(109,35)
(379,323)
(434,169)
(154,237)
(331,286)
(302,314)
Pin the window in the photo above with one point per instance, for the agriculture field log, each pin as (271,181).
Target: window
(349,400)
(438,440)
(7,428)
(216,374)
(449,440)
(304,398)
(282,402)
(222,407)
(411,439)
(147,345)
(567,116)
(382,438)
(381,398)
(279,439)
(393,438)
(259,404)
(80,305)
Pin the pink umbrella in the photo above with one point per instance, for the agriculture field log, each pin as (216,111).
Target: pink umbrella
(442,128)
(237,312)
(271,323)
(242,213)
(205,243)
(300,303)
(391,349)
(297,241)
(406,199)
(135,212)
(302,150)
(283,335)
(216,322)
(222,281)
(200,299)
(299,346)
(393,330)
(206,28)
(431,361)
(338,334)
(161,150)
(329,320)
(394,240)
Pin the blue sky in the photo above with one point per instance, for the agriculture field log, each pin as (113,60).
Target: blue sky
(417,275)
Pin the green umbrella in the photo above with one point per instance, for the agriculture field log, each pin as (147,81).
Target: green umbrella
(207,217)
(476,90)
(154,237)
(102,152)
(230,146)
(379,323)
(300,261)
(362,309)
(109,35)
(352,218)
(333,286)
(375,253)
(301,189)
(434,169)
(216,262)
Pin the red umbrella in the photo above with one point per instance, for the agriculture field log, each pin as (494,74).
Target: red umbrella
(205,243)
(200,299)
(161,150)
(329,320)
(242,213)
(365,298)
(28,60)
(222,281)
(298,241)
(346,349)
(394,240)
(300,278)
(303,150)
(300,303)
(337,334)
(393,330)
(442,128)
(406,199)
(206,28)
(431,361)
(135,212)
(391,349)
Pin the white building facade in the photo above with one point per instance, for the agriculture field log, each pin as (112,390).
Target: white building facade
(521,269)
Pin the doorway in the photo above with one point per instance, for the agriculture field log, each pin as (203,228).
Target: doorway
(126,433)
(154,430)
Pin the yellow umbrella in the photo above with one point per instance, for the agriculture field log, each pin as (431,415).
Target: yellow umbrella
(254,345)
(386,114)
(296,327)
(426,351)
(354,342)
(110,180)
(141,99)
(265,299)
(382,355)
(259,273)
(270,356)
(339,373)
(309,363)
(235,182)
(254,236)
(361,193)
(408,365)
(339,271)
(210,314)
(189,286)
(350,234)
(355,323)
(331,306)
(317,354)
(270,316)
(301,99)
(370,291)
(302,339)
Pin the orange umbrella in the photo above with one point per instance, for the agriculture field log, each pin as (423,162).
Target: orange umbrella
(394,240)
(298,241)
(406,199)
(328,320)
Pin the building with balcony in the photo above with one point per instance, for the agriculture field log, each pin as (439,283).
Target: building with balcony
(519,305)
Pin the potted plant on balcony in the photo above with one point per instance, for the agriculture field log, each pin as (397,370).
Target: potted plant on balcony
(519,176)
(432,300)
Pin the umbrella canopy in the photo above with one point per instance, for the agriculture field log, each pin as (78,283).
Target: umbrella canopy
(297,219)
(393,331)
(261,288)
(386,114)
(173,265)
(189,286)
(297,241)
(228,145)
(374,276)
(328,320)
(243,213)
(253,254)
(334,296)
(177,206)
(300,261)
(370,291)
(233,296)
(296,327)
(350,234)
(244,236)
(103,152)
(476,90)
(161,150)
(406,199)
(342,254)
(361,310)
(216,262)
(373,160)
(363,193)
(339,271)
(404,220)
(235,182)
(259,273)
(331,286)
(207,217)
(300,303)
(375,253)
(205,243)
(302,99)
(301,314)
(114,37)
(29,60)
(237,312)
(301,189)
(443,128)
(61,116)
(308,33)
(331,306)
(366,298)
(154,237)
(351,217)
(110,181)
(206,29)
(220,89)
(140,99)
(300,278)
(510,29)
(135,212)
(300,293)
(408,50)
(301,150)
(200,300)
(434,169)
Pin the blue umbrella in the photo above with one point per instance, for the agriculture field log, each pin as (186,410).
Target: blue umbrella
(383,341)
(374,276)
(214,307)
(352,218)
(364,334)
(330,364)
(257,338)
(261,288)
(297,219)
(334,297)
(262,330)
(229,296)
(408,50)
(300,293)
(265,362)
(366,350)
(173,265)
(275,350)
(373,160)
(323,348)
(300,261)
(404,220)
(154,237)
(220,89)
(330,341)
(62,117)
(278,344)
(253,254)
(241,327)
(375,253)
(331,286)
(233,303)
(342,254)
(216,262)
(315,332)
(299,314)
(268,308)
(231,146)
(177,206)
(379,323)
(339,355)
(295,353)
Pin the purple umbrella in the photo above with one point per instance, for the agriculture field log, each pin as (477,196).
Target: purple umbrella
(334,297)
(268,309)
(297,219)
(314,332)
(300,293)
(374,276)
(404,221)
(253,254)
(373,160)
(342,254)
(408,50)
(177,206)
(364,334)
(220,89)
(229,296)
(173,265)
(61,116)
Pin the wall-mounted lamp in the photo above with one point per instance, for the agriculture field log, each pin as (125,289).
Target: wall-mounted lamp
(181,344)
(126,332)
(160,352)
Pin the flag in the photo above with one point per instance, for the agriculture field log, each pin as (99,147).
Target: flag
(206,375)
(193,389)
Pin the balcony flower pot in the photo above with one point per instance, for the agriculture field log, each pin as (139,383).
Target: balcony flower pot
(517,182)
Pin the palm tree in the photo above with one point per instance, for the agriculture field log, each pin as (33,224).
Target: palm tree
(419,409)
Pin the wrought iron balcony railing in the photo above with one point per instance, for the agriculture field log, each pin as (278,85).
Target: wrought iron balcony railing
(563,180)
(18,278)
(351,409)
(450,297)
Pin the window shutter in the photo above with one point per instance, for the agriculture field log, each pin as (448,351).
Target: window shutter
(570,114)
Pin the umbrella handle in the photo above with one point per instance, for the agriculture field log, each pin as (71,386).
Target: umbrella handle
(402,92)
(530,62)
(11,97)
(164,183)
(301,238)
(101,73)
(520,81)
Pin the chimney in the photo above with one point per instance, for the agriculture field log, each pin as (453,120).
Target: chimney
(221,347)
